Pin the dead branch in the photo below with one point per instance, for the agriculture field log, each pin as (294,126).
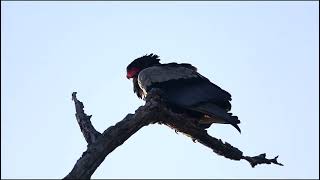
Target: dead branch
(154,111)
(89,132)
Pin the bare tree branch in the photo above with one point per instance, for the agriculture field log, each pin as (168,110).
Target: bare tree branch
(154,111)
(87,129)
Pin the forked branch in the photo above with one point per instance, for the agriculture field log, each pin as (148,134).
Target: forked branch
(154,111)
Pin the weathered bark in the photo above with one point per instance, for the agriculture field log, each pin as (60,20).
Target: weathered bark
(89,132)
(154,111)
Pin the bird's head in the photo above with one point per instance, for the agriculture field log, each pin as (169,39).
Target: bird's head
(141,63)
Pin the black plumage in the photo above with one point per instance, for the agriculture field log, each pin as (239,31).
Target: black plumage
(185,89)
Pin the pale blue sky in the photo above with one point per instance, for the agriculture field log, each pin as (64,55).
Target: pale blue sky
(264,53)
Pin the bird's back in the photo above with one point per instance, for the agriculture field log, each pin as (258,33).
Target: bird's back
(186,89)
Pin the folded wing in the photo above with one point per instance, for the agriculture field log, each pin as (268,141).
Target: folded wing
(186,88)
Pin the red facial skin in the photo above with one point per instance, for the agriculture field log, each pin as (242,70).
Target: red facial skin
(132,72)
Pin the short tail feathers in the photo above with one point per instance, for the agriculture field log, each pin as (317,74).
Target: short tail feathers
(215,114)
(207,121)
(235,125)
(234,122)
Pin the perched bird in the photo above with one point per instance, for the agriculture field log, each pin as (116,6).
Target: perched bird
(185,89)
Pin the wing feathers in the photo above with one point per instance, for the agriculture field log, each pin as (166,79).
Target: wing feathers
(183,85)
(159,74)
(186,88)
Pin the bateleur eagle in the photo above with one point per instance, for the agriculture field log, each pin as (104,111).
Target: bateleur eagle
(186,90)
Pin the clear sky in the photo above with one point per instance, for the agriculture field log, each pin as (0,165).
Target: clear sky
(266,54)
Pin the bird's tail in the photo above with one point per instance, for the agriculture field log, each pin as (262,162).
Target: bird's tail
(214,114)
